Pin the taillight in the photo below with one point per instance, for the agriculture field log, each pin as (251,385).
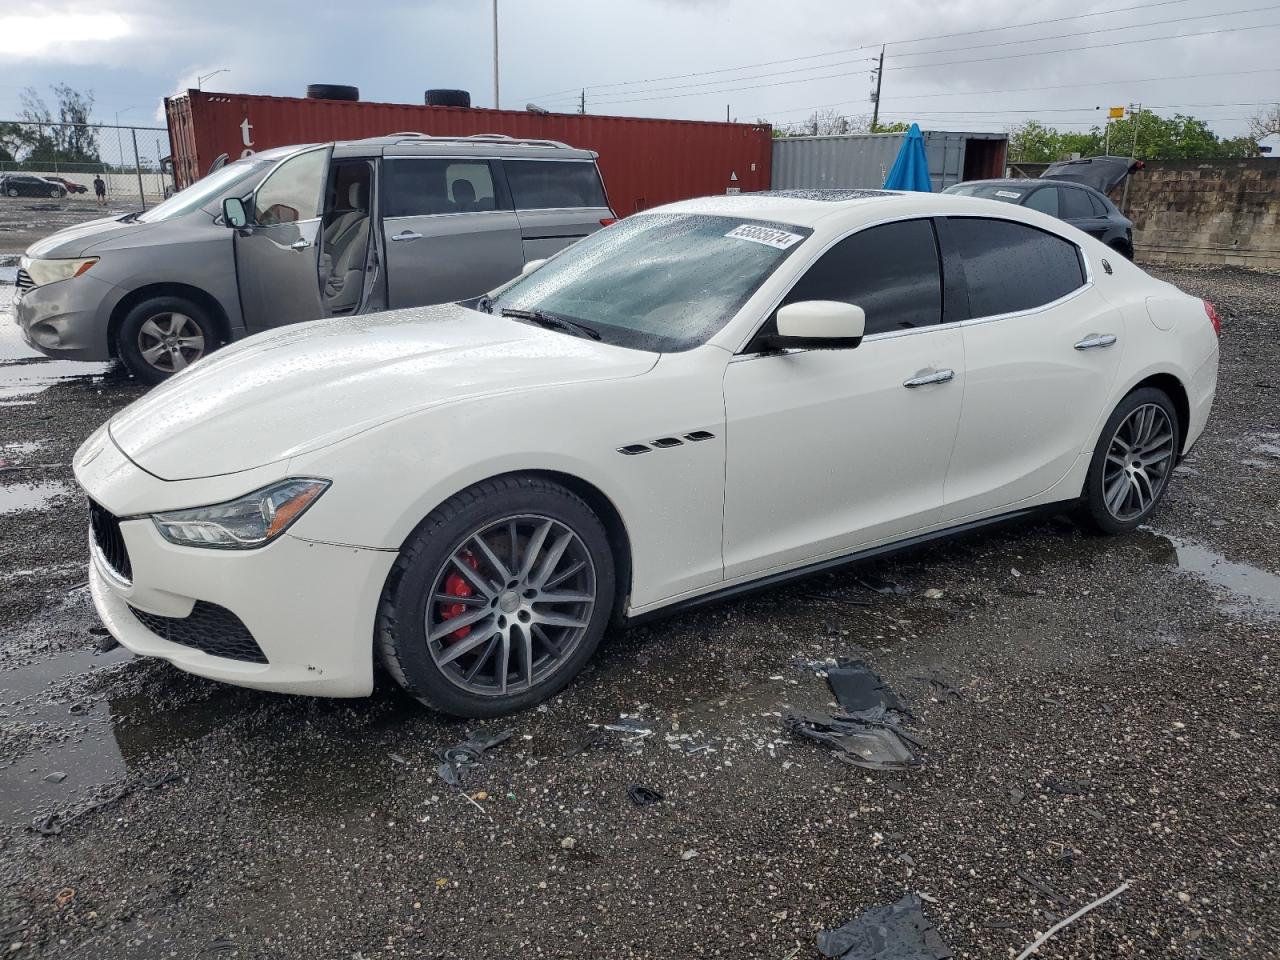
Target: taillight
(1214,319)
(608,221)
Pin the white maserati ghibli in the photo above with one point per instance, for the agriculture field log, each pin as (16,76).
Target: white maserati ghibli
(703,398)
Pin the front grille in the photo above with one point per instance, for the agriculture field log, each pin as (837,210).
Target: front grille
(210,628)
(24,281)
(105,527)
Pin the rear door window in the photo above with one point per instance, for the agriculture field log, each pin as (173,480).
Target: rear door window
(428,186)
(1099,208)
(554,184)
(1045,200)
(1011,266)
(1075,204)
(890,271)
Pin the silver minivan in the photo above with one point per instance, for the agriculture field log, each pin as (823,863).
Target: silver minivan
(300,233)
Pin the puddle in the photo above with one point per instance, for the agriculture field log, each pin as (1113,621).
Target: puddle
(16,497)
(22,379)
(1249,589)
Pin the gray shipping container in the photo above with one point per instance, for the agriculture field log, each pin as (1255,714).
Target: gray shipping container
(864,159)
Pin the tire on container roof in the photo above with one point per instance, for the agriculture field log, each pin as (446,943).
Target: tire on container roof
(332,91)
(448,98)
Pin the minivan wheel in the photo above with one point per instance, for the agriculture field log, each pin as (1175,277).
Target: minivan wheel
(164,335)
(498,599)
(1132,462)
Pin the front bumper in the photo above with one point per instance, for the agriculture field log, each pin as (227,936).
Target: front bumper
(309,607)
(68,319)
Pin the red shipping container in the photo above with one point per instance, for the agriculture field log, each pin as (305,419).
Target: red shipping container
(645,162)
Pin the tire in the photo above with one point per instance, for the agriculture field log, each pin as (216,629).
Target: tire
(57,194)
(13,191)
(332,91)
(164,321)
(457,672)
(447,98)
(1122,490)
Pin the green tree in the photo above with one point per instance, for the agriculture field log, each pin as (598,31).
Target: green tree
(63,137)
(1179,137)
(1033,142)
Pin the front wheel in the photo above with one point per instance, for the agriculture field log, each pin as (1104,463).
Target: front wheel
(1133,461)
(164,335)
(498,599)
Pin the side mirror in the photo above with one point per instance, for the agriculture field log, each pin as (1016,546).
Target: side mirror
(531,266)
(818,324)
(234,213)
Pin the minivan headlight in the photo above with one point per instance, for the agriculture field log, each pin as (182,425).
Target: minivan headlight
(51,271)
(244,523)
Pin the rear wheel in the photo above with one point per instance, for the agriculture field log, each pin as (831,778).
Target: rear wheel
(1133,461)
(55,193)
(12,191)
(499,599)
(163,336)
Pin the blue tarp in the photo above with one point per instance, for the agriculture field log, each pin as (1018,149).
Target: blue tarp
(910,170)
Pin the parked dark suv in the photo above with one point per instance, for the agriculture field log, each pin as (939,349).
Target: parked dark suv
(1082,207)
(26,185)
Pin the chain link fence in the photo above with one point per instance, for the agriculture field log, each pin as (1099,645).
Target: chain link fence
(131,160)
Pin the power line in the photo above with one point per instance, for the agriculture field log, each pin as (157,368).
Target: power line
(866,46)
(833,76)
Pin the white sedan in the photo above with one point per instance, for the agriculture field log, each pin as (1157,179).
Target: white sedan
(706,397)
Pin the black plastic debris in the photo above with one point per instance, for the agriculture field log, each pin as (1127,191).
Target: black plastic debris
(873,739)
(881,586)
(896,932)
(637,726)
(642,796)
(459,759)
(858,687)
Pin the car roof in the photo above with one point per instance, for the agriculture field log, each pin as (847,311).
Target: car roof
(808,208)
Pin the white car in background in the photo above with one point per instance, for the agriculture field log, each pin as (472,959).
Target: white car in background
(706,397)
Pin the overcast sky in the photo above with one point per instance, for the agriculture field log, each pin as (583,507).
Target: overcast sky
(131,53)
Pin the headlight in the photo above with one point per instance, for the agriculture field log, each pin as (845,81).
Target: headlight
(51,271)
(244,523)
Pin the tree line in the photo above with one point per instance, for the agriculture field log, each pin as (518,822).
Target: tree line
(45,134)
(1179,137)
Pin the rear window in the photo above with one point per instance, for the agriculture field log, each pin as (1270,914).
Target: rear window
(549,184)
(425,186)
(1011,267)
(1075,204)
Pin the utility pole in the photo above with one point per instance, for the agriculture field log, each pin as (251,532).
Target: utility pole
(497,99)
(726,113)
(1133,152)
(582,101)
(875,97)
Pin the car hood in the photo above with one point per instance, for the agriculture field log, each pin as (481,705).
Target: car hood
(75,241)
(1101,173)
(286,392)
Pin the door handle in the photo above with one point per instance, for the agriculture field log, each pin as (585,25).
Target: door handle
(300,244)
(1096,340)
(924,379)
(407,235)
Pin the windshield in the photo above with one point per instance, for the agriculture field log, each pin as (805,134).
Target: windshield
(204,190)
(661,282)
(1008,192)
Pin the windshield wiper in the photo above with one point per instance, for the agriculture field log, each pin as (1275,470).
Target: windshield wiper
(552,321)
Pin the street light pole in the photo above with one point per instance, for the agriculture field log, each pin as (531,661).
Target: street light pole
(497,99)
(202,79)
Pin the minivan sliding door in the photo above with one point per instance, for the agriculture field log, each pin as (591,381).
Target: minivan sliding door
(448,228)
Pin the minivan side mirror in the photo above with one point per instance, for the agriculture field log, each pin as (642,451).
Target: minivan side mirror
(817,324)
(531,266)
(234,213)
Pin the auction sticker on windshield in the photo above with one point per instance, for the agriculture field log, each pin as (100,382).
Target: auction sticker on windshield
(770,237)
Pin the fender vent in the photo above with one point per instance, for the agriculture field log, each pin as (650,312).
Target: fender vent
(663,442)
(634,449)
(699,435)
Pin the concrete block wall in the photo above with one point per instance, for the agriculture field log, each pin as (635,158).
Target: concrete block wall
(1187,211)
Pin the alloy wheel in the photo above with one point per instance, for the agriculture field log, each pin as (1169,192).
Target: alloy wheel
(510,605)
(170,341)
(1139,460)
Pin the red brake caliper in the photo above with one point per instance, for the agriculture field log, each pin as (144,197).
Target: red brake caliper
(456,585)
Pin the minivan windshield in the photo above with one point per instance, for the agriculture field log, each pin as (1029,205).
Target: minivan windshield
(204,190)
(661,281)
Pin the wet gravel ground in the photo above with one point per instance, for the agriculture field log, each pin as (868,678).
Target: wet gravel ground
(1093,710)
